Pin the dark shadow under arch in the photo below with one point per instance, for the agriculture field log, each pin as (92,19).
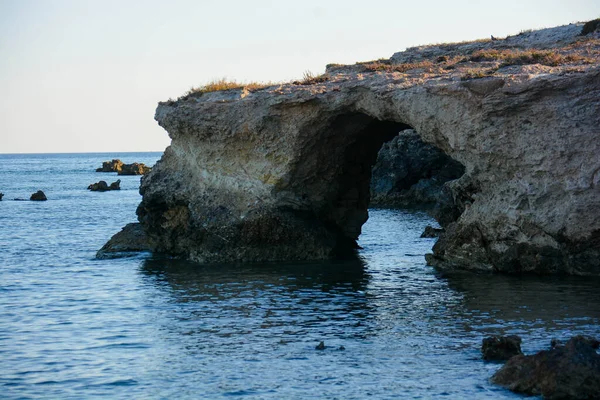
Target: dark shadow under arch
(335,172)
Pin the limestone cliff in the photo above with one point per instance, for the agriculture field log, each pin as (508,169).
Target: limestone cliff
(283,172)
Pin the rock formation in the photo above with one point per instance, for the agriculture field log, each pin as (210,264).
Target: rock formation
(501,348)
(102,186)
(409,172)
(38,196)
(111,166)
(134,169)
(571,371)
(121,168)
(130,240)
(283,172)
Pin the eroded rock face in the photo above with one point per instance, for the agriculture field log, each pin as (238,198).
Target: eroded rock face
(283,172)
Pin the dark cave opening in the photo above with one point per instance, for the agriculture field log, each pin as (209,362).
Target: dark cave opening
(388,162)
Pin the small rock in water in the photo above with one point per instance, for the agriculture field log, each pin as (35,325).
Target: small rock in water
(320,346)
(501,348)
(38,196)
(342,348)
(115,185)
(1,195)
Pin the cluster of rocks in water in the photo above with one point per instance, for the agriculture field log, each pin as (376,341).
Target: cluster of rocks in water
(121,168)
(565,371)
(115,165)
(102,186)
(37,196)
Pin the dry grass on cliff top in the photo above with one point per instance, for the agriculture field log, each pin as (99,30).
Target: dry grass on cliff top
(225,84)
(522,57)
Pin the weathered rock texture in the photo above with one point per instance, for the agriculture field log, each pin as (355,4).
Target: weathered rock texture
(409,172)
(283,172)
(134,169)
(571,371)
(501,348)
(111,166)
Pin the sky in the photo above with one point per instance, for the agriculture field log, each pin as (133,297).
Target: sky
(86,75)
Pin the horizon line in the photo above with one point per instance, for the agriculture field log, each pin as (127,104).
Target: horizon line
(81,152)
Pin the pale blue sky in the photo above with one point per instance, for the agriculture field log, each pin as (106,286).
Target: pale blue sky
(82,76)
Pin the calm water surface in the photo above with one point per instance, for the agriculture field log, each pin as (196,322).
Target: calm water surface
(75,327)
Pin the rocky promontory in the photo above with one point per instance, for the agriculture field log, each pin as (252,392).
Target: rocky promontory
(283,172)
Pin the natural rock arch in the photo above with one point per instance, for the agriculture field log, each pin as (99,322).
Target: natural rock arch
(278,173)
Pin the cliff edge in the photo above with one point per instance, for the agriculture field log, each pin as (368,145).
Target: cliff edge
(282,172)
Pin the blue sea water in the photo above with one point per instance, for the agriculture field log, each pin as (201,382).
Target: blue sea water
(72,326)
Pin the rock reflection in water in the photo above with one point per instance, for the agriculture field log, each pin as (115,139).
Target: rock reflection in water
(277,302)
(539,306)
(407,330)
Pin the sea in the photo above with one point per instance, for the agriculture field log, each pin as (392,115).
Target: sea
(151,327)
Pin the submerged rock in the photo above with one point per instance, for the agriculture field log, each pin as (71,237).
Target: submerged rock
(134,169)
(571,371)
(111,166)
(38,196)
(320,346)
(501,348)
(283,172)
(130,240)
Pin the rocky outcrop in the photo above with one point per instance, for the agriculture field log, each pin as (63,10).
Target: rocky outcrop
(571,371)
(111,166)
(121,168)
(38,196)
(134,169)
(410,172)
(129,241)
(283,172)
(501,348)
(102,186)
